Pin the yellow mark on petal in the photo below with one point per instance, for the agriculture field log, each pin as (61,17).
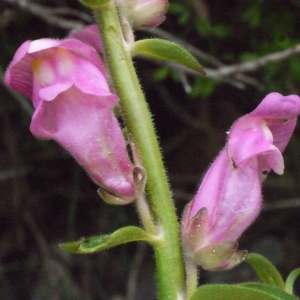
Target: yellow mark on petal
(64,62)
(43,71)
(48,70)
(35,64)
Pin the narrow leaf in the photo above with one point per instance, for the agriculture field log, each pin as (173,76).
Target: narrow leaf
(165,50)
(289,285)
(265,270)
(103,242)
(239,292)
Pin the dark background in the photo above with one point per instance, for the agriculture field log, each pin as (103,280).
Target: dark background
(46,198)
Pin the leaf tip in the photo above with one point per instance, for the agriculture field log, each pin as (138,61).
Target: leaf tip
(71,246)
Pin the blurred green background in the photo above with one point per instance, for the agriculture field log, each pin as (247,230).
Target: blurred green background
(248,48)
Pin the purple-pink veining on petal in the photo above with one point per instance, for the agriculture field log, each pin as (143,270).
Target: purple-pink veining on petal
(19,75)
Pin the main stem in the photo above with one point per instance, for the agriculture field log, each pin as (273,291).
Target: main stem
(169,261)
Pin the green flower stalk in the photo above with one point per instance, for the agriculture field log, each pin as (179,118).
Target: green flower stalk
(168,255)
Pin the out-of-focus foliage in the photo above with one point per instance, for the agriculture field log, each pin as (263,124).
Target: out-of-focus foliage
(240,32)
(46,199)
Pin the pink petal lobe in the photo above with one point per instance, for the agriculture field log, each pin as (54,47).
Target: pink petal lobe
(89,79)
(280,112)
(282,131)
(89,35)
(42,44)
(91,134)
(51,92)
(18,75)
(251,137)
(83,50)
(58,72)
(277,106)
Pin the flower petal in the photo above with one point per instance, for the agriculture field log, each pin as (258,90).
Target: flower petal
(63,69)
(38,46)
(232,197)
(209,191)
(88,35)
(91,133)
(19,75)
(277,106)
(84,51)
(250,137)
(280,113)
(282,131)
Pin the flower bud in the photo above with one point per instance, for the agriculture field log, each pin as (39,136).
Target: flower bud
(143,13)
(229,197)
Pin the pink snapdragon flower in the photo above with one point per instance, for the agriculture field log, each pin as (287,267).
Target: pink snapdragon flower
(73,106)
(229,198)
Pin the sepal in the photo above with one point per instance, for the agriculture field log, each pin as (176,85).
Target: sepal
(213,257)
(110,198)
(195,228)
(222,256)
(139,179)
(237,258)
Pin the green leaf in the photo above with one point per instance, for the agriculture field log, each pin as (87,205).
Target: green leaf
(271,290)
(291,280)
(103,242)
(265,270)
(240,292)
(165,50)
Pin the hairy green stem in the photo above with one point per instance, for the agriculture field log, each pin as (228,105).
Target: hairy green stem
(145,215)
(191,278)
(169,261)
